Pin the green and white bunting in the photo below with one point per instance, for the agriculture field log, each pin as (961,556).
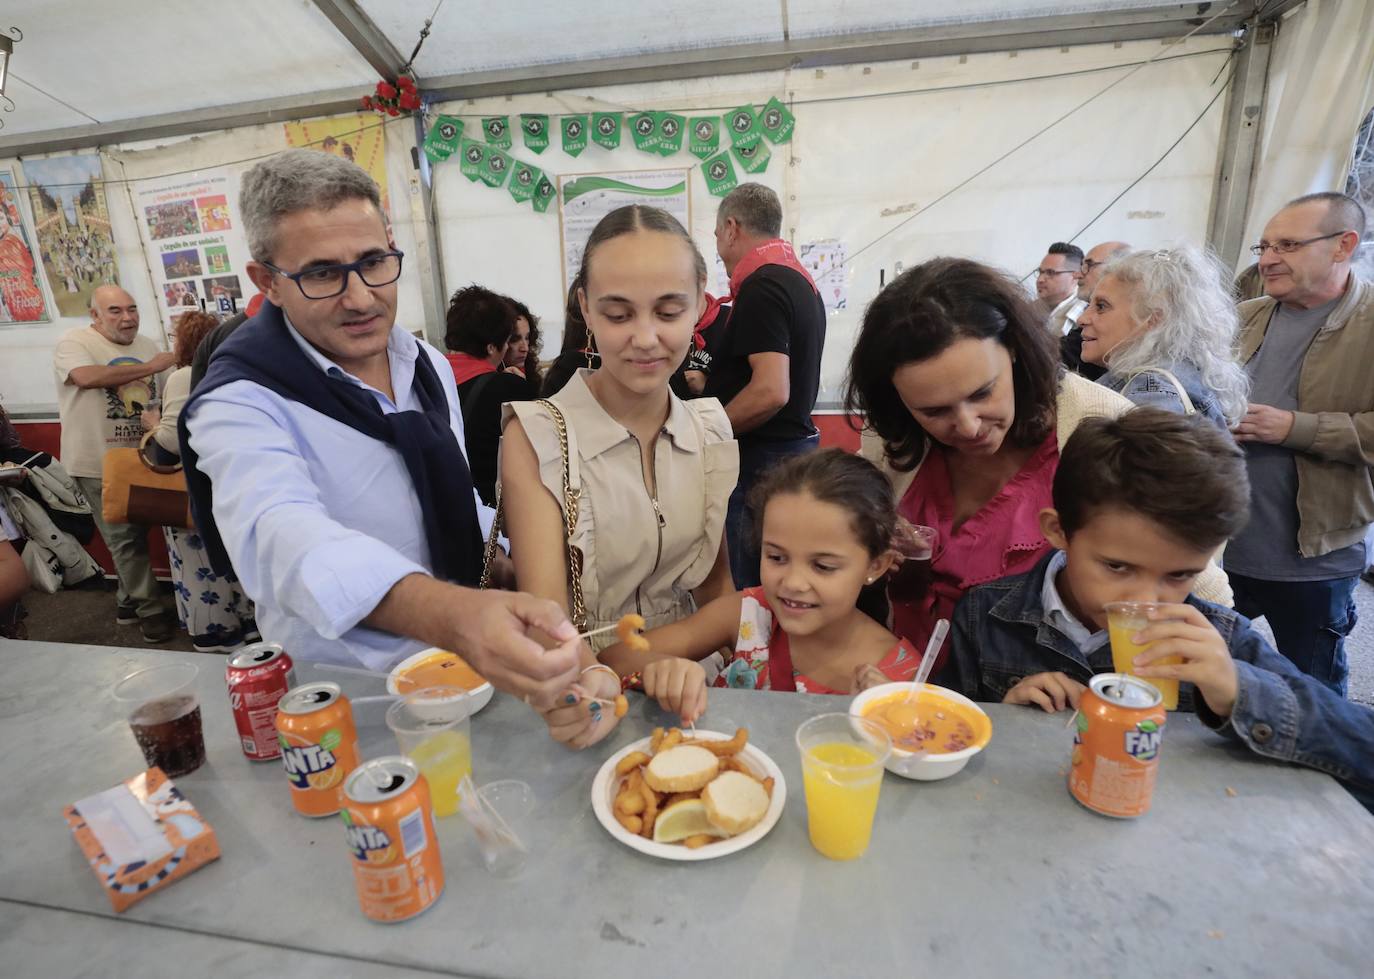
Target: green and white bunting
(474,159)
(443,139)
(574,134)
(744,126)
(497,169)
(705,136)
(670,128)
(535,128)
(523,181)
(645,129)
(497,130)
(777,122)
(606,129)
(720,174)
(754,159)
(544,194)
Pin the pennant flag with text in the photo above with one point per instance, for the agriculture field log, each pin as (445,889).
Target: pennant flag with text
(606,129)
(754,158)
(574,134)
(777,122)
(670,128)
(443,139)
(544,194)
(705,137)
(497,129)
(645,128)
(523,181)
(474,159)
(720,174)
(744,126)
(535,127)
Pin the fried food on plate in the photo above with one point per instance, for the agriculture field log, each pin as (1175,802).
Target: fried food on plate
(685,768)
(734,802)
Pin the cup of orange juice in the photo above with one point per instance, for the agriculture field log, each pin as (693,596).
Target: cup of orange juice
(431,727)
(842,771)
(1124,620)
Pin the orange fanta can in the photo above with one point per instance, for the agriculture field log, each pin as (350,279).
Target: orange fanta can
(319,746)
(396,864)
(1119,727)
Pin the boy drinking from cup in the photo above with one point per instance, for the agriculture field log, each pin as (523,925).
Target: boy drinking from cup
(1140,504)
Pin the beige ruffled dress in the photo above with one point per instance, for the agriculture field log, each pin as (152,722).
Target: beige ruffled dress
(639,554)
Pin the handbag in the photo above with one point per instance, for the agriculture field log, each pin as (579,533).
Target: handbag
(571,498)
(136,490)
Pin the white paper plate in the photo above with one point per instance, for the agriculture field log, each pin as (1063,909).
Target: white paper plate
(606,783)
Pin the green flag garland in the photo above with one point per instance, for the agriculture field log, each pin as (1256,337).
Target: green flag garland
(754,158)
(497,130)
(720,174)
(705,136)
(443,139)
(544,194)
(645,129)
(474,159)
(606,129)
(535,127)
(670,128)
(497,168)
(777,122)
(744,126)
(523,181)
(574,134)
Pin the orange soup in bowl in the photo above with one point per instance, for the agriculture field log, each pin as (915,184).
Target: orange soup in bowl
(443,669)
(930,723)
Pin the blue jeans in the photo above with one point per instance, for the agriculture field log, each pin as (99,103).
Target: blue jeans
(755,459)
(1310,620)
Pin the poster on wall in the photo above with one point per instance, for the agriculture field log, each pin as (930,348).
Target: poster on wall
(195,244)
(72,226)
(21,292)
(587,198)
(825,260)
(358,138)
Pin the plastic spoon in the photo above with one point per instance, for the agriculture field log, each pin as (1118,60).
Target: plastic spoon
(937,639)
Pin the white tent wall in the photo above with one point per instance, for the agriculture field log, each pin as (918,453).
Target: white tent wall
(26,377)
(1321,85)
(874,144)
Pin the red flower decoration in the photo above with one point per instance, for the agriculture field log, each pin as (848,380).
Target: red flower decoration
(386,90)
(409,100)
(406,83)
(367,101)
(391,110)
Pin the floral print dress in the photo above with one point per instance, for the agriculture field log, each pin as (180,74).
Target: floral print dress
(760,635)
(211,607)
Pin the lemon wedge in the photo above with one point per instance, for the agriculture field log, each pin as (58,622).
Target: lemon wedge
(681,820)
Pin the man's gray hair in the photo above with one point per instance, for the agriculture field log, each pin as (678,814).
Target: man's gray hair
(297,180)
(755,207)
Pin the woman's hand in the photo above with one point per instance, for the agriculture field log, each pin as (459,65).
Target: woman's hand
(585,713)
(679,686)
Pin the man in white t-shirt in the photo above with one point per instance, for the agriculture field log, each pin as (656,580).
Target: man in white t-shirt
(106,375)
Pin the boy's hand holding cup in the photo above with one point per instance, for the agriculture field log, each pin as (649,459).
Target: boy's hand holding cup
(1199,653)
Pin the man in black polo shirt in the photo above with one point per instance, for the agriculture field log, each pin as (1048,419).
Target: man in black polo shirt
(768,368)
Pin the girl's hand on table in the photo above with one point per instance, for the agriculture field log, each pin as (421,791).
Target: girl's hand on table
(679,686)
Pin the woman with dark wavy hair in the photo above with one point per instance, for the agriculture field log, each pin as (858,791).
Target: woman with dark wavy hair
(966,407)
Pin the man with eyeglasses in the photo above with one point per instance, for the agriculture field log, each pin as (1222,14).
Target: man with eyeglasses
(1056,279)
(1308,346)
(1071,336)
(323,450)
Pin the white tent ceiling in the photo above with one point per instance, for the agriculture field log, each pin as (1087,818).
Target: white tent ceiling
(89,72)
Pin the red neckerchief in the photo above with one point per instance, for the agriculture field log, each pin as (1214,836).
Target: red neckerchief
(775,252)
(708,317)
(466,366)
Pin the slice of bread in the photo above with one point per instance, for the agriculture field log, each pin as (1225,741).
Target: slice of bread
(685,768)
(734,802)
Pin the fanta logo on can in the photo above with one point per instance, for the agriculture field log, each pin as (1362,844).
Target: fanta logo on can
(303,762)
(369,843)
(1142,743)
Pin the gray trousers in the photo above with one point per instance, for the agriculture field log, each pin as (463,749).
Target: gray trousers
(128,546)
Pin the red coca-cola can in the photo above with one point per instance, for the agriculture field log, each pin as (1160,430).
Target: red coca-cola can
(257,677)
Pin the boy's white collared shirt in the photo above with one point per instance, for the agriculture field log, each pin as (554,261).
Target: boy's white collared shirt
(1057,613)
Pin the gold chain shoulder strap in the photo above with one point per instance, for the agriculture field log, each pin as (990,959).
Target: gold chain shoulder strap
(571,499)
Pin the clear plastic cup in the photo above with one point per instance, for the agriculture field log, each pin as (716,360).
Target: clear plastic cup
(1124,620)
(164,714)
(911,579)
(503,831)
(842,772)
(432,730)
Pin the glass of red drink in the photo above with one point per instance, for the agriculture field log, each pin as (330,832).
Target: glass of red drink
(911,578)
(164,714)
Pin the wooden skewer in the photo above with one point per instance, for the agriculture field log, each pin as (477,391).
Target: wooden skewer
(596,632)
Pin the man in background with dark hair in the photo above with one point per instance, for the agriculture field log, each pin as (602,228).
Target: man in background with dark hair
(768,368)
(1308,434)
(1056,280)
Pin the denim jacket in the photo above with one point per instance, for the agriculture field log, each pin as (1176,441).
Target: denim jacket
(1000,636)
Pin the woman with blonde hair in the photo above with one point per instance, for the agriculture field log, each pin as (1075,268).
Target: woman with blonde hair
(1164,325)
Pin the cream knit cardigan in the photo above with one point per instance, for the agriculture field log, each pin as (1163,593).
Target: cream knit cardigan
(1078,398)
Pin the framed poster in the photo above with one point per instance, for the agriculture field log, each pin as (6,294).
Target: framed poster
(584,199)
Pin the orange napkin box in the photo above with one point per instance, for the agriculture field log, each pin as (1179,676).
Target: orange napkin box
(140,836)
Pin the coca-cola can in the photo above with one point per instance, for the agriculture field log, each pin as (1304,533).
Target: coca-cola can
(257,677)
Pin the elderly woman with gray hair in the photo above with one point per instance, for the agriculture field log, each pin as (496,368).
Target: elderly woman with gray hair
(1164,325)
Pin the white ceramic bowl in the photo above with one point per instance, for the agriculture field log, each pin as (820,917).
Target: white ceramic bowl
(931,767)
(607,783)
(481,696)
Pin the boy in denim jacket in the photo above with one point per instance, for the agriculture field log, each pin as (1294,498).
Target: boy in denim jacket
(1141,503)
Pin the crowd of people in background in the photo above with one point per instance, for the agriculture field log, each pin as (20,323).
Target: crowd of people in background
(1130,431)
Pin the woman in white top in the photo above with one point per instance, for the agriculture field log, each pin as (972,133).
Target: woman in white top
(653,473)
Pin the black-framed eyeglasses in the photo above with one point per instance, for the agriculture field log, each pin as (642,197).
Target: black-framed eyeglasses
(1056,271)
(1089,264)
(1285,245)
(328,281)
